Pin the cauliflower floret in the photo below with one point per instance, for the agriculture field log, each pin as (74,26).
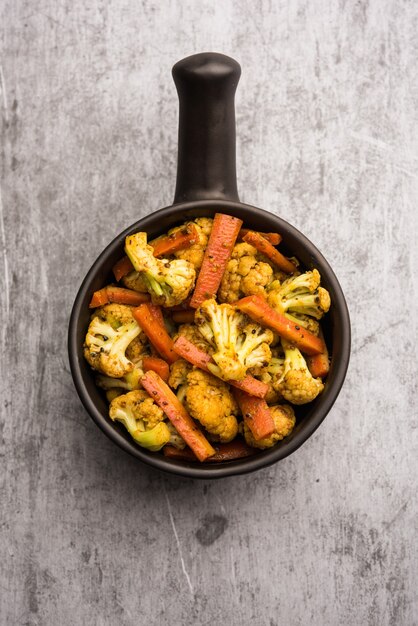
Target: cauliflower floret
(300,295)
(168,282)
(305,321)
(138,348)
(238,345)
(115,314)
(178,373)
(195,253)
(211,403)
(108,336)
(135,280)
(270,375)
(284,422)
(192,333)
(129,382)
(245,274)
(273,395)
(142,418)
(296,383)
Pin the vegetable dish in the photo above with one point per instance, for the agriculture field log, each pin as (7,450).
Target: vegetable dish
(208,341)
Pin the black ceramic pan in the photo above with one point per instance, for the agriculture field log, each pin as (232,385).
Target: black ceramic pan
(206,184)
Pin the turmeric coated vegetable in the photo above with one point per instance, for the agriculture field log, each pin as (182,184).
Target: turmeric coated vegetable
(108,336)
(142,418)
(296,383)
(168,282)
(209,401)
(194,254)
(238,345)
(245,274)
(300,295)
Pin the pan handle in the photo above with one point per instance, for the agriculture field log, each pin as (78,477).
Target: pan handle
(206,169)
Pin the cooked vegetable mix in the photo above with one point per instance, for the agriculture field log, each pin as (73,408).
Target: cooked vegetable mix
(211,343)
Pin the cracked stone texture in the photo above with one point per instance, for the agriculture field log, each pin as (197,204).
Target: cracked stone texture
(327,115)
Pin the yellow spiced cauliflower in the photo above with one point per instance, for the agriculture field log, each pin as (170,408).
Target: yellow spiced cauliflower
(195,253)
(209,401)
(168,282)
(295,382)
(245,274)
(109,334)
(142,418)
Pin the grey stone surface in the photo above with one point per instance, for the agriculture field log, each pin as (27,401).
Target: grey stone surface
(327,113)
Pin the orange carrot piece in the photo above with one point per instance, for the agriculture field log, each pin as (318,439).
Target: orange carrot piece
(258,241)
(191,353)
(111,293)
(156,365)
(150,322)
(179,240)
(194,355)
(273,238)
(122,267)
(99,298)
(161,393)
(257,308)
(221,242)
(120,295)
(256,414)
(157,313)
(251,385)
(236,449)
(318,364)
(183,317)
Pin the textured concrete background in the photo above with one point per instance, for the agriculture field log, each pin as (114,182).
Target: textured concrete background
(327,113)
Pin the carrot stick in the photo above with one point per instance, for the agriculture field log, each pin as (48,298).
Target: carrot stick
(126,296)
(318,364)
(179,240)
(256,415)
(183,317)
(236,449)
(120,295)
(221,242)
(99,298)
(161,393)
(265,247)
(156,312)
(257,308)
(122,267)
(273,238)
(191,353)
(156,365)
(156,332)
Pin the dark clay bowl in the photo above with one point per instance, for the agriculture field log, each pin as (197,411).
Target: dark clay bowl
(206,184)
